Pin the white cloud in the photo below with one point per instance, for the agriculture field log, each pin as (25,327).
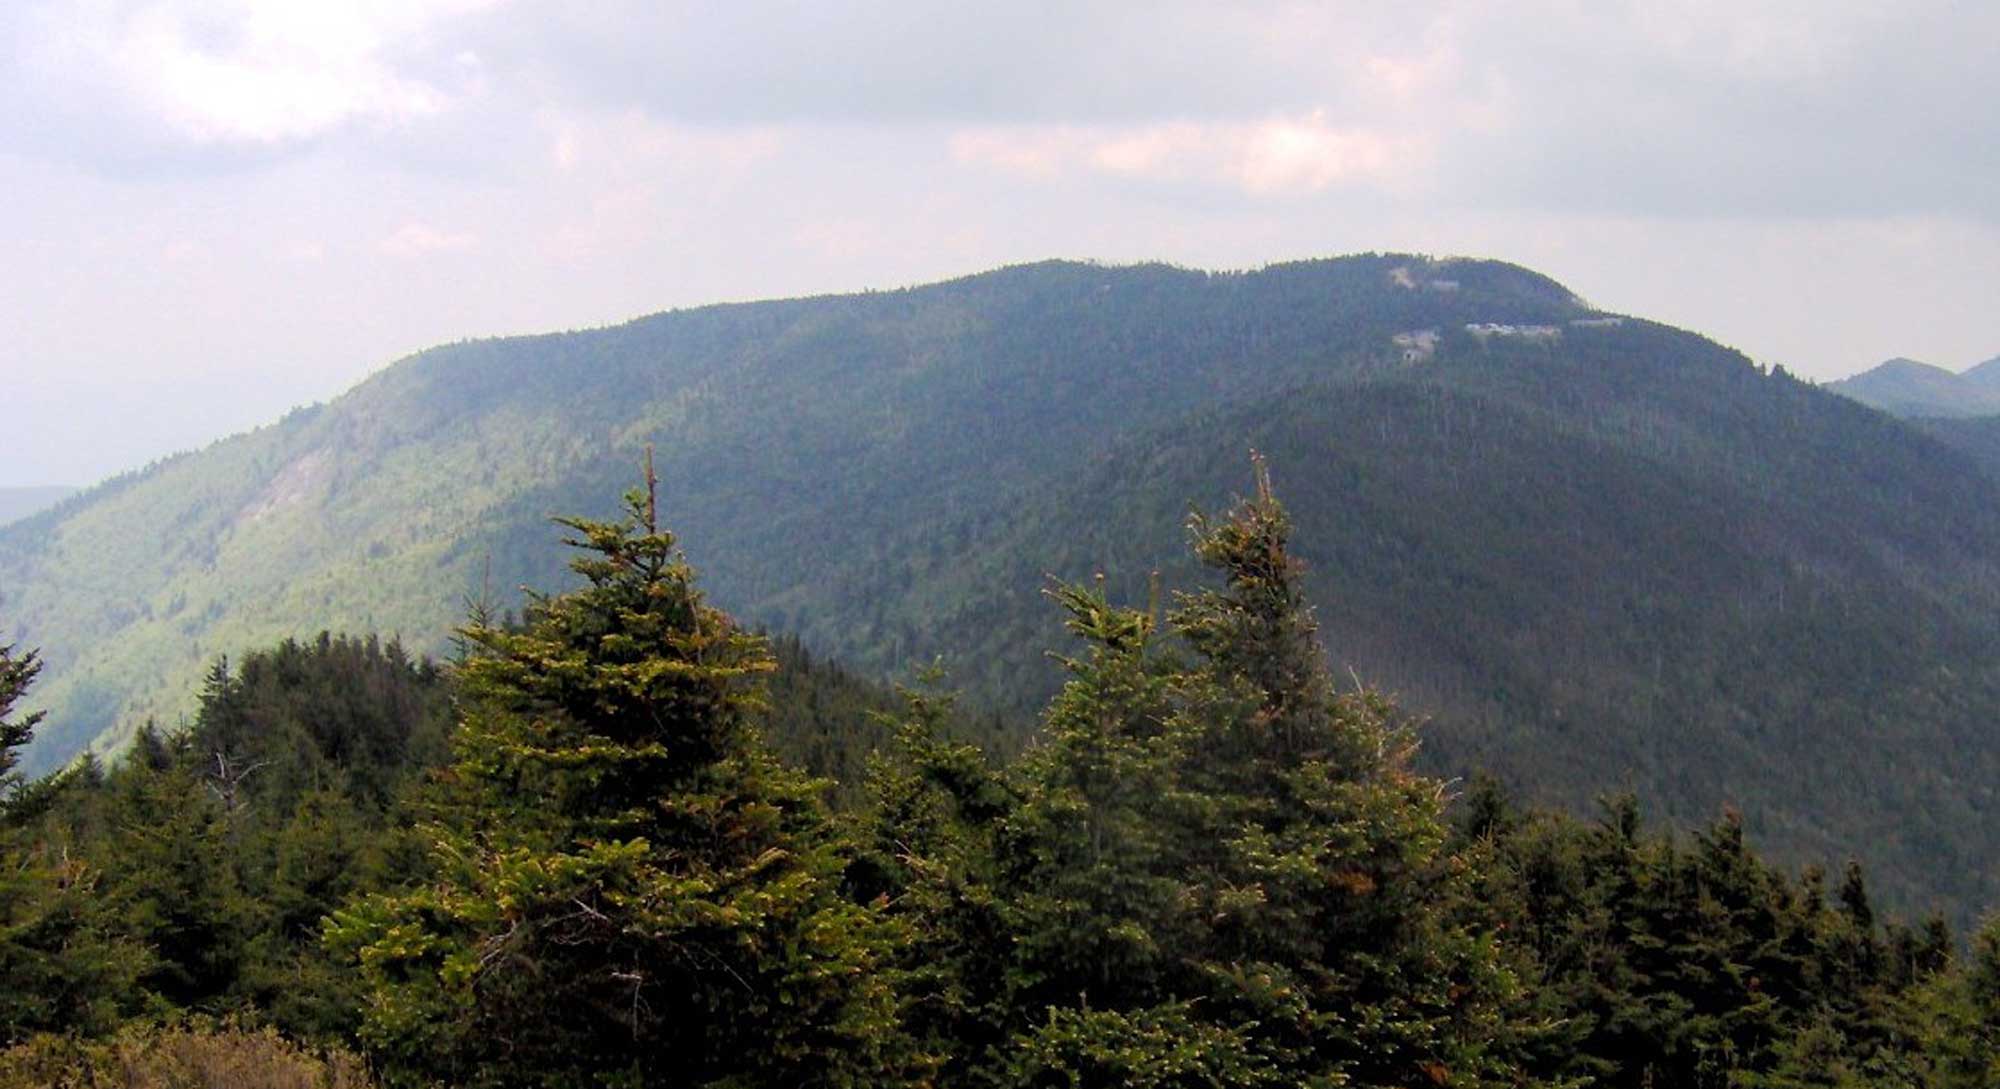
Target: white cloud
(250,71)
(1810,178)
(1268,157)
(422,240)
(628,143)
(1308,155)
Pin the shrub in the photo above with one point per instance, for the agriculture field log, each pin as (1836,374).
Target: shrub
(179,1058)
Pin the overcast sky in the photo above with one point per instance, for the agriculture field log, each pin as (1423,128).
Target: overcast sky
(213,210)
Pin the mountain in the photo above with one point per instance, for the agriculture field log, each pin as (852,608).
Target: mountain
(1905,387)
(1961,410)
(19,503)
(1597,551)
(1985,376)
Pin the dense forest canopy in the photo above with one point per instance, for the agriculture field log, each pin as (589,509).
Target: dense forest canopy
(584,852)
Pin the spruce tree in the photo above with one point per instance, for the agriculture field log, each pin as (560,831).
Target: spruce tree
(1224,871)
(1105,981)
(65,966)
(629,889)
(1336,915)
(927,854)
(1955,1018)
(17,672)
(171,857)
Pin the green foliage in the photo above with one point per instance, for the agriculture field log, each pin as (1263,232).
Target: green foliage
(628,888)
(1169,1046)
(169,852)
(925,855)
(354,716)
(1210,871)
(1670,963)
(64,965)
(17,672)
(1213,868)
(1333,909)
(202,865)
(1955,1019)
(831,722)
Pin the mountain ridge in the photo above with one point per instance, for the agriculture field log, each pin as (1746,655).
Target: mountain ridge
(1595,549)
(1909,388)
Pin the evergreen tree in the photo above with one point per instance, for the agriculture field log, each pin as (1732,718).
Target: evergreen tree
(17,672)
(171,854)
(926,852)
(1955,1019)
(1105,984)
(64,965)
(1337,916)
(629,889)
(1227,872)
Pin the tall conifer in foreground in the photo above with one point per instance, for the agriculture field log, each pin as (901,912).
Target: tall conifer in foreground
(63,965)
(17,671)
(631,891)
(1227,873)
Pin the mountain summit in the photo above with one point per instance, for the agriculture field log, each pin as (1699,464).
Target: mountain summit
(1593,548)
(1905,387)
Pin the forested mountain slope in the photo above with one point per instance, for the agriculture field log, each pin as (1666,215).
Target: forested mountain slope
(1597,550)
(1960,409)
(1976,436)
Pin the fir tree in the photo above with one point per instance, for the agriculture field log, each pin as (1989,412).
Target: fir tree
(17,671)
(1955,1019)
(629,889)
(1228,874)
(927,854)
(1337,920)
(64,965)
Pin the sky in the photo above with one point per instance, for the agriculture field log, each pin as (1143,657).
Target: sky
(214,210)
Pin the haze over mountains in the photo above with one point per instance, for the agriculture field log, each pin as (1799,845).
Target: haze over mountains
(1906,387)
(1961,409)
(18,503)
(1595,549)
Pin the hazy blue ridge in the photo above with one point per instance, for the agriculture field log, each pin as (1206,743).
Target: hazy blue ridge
(1905,387)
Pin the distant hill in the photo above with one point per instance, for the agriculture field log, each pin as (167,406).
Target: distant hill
(1905,387)
(1597,550)
(18,503)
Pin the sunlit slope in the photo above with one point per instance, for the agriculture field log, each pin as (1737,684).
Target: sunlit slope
(1600,552)
(792,437)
